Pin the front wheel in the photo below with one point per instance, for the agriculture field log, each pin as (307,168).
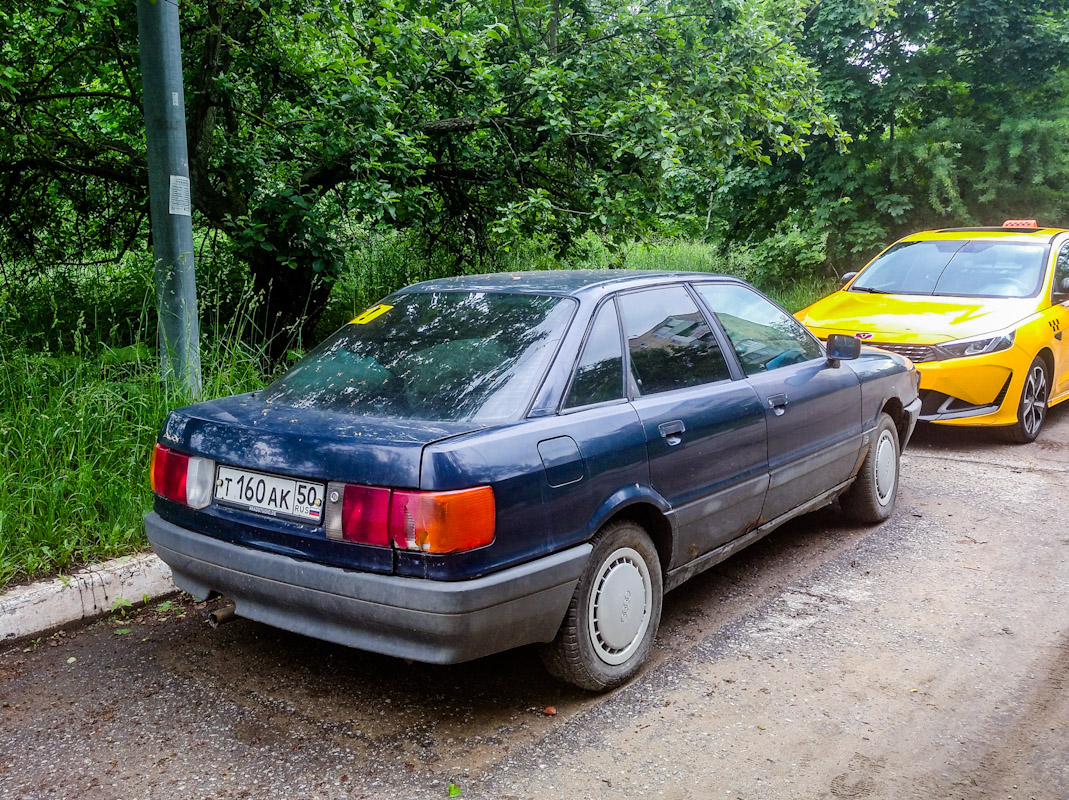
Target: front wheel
(871,498)
(1032,407)
(614,613)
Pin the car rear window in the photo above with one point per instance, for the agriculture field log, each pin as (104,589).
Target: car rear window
(457,356)
(957,268)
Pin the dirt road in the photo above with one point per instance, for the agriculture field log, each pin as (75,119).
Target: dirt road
(926,658)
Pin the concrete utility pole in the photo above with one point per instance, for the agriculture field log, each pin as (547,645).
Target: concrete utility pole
(168,181)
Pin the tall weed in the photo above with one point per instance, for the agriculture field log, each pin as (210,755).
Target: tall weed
(75,433)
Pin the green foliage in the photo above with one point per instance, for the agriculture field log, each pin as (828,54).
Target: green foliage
(80,406)
(71,135)
(470,125)
(958,113)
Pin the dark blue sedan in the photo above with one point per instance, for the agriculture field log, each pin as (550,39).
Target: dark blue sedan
(484,462)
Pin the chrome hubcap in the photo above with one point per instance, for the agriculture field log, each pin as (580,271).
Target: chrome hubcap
(1034,400)
(619,609)
(886,474)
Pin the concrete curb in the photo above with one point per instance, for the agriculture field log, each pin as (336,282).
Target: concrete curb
(31,610)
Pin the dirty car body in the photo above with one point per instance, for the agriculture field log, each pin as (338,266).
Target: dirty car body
(485,462)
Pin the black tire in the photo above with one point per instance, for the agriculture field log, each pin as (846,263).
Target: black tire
(600,644)
(871,498)
(1032,406)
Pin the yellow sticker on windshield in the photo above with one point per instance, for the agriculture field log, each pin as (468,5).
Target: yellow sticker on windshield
(372,313)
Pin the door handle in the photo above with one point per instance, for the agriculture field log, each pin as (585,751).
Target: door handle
(672,431)
(778,403)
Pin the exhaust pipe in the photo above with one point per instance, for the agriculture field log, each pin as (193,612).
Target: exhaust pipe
(221,616)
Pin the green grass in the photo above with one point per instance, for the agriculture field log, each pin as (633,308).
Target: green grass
(81,402)
(75,436)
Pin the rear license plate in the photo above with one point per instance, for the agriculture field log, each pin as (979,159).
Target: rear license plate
(270,494)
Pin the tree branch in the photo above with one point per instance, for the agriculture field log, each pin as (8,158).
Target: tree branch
(447,127)
(41,98)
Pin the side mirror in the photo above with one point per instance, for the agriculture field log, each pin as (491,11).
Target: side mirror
(848,277)
(1061,288)
(842,348)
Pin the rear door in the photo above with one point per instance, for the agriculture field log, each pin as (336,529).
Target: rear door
(813,410)
(705,433)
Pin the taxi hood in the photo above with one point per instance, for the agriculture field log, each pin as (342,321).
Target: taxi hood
(913,319)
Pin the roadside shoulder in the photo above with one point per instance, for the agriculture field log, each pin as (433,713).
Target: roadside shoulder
(39,607)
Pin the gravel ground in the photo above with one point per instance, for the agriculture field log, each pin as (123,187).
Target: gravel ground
(924,658)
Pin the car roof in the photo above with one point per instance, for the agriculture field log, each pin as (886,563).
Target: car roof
(1039,235)
(569,282)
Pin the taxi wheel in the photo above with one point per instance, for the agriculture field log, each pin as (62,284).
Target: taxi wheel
(871,498)
(1032,408)
(614,613)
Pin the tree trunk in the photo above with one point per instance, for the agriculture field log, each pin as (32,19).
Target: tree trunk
(291,303)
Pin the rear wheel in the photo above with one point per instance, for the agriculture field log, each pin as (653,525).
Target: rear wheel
(1032,407)
(872,496)
(614,613)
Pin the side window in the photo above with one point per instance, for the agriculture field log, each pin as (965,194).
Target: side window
(670,341)
(1061,268)
(764,336)
(599,376)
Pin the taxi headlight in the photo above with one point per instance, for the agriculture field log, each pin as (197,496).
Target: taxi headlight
(977,346)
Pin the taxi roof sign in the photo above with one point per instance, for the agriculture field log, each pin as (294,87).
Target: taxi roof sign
(1020,223)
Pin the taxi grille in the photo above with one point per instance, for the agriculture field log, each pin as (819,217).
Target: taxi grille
(914,352)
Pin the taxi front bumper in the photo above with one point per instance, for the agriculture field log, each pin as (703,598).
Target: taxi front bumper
(978,390)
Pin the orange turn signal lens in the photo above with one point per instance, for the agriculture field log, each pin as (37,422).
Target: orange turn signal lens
(442,522)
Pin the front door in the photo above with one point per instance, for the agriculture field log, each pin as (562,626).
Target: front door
(813,409)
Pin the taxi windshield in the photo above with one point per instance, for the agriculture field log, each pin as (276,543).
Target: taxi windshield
(444,356)
(957,268)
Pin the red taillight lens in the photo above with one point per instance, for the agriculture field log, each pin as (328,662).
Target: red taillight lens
(168,473)
(184,479)
(364,513)
(442,522)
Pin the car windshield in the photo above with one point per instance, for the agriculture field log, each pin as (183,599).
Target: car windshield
(446,356)
(973,268)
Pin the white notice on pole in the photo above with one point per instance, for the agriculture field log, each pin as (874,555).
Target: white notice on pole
(178,203)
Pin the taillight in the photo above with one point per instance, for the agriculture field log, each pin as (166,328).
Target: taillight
(442,522)
(431,522)
(358,513)
(182,478)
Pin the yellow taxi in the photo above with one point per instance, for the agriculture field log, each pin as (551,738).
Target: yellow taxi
(982,312)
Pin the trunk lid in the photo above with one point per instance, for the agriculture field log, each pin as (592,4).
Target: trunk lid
(246,433)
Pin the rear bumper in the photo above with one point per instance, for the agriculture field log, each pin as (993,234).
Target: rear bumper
(439,622)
